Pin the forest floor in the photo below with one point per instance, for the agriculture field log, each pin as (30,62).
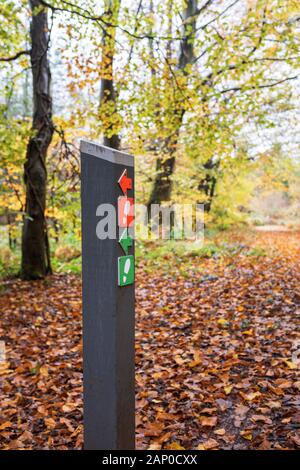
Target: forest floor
(217,352)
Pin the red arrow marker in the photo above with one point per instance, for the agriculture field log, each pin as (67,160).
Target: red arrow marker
(124,182)
(125,211)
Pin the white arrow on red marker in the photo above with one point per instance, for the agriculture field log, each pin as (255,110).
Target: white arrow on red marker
(124,182)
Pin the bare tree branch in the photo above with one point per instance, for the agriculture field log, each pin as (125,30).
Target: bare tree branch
(204,7)
(219,15)
(83,13)
(14,57)
(266,85)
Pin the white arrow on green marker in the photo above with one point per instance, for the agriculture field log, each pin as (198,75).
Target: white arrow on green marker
(125,270)
(125,241)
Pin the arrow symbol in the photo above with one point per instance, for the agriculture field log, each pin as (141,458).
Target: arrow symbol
(125,211)
(124,182)
(125,241)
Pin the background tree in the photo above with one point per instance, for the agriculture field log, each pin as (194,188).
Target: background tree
(35,244)
(108,102)
(165,165)
(244,57)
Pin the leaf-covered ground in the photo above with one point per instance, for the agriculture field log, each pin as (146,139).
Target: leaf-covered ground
(216,352)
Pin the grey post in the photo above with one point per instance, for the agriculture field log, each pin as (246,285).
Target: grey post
(108,310)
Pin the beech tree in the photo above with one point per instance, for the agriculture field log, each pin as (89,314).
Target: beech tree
(236,61)
(108,101)
(35,243)
(166,163)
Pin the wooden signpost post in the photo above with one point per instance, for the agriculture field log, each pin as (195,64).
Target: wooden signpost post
(107,177)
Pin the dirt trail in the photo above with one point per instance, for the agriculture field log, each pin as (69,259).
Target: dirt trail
(272,228)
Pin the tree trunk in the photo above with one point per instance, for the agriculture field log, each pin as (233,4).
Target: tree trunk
(162,187)
(208,184)
(107,92)
(35,245)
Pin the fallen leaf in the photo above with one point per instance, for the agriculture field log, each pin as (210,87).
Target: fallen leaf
(6,424)
(261,418)
(196,361)
(210,422)
(50,423)
(175,446)
(291,365)
(154,447)
(251,396)
(220,432)
(228,389)
(209,444)
(44,371)
(246,435)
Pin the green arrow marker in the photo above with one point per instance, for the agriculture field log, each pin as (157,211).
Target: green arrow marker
(125,270)
(125,241)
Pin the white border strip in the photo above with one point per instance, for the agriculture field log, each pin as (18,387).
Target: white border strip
(88,147)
